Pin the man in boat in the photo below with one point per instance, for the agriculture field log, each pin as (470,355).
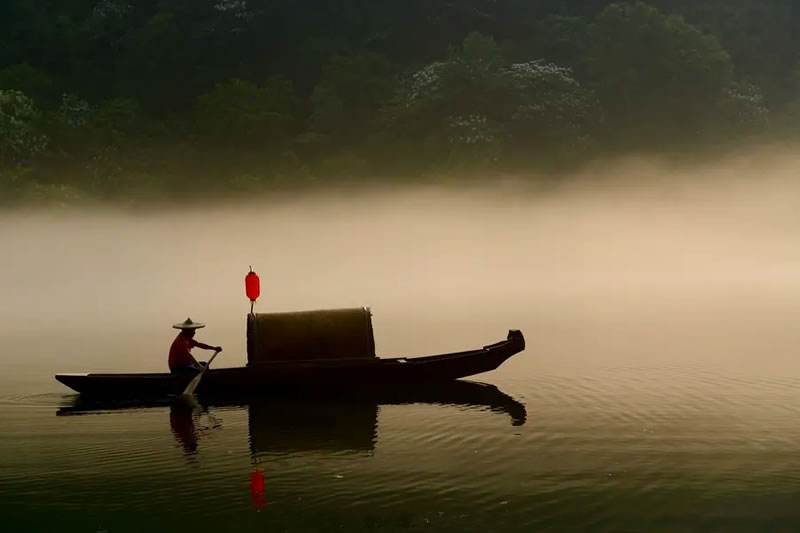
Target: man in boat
(180,356)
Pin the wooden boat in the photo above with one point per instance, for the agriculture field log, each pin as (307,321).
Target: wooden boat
(319,350)
(321,374)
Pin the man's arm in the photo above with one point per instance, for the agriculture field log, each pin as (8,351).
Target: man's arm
(207,347)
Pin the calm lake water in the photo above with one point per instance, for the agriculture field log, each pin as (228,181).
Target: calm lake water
(648,399)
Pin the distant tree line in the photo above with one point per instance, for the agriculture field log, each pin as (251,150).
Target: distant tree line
(128,98)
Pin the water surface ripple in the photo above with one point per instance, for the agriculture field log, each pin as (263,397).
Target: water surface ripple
(645,447)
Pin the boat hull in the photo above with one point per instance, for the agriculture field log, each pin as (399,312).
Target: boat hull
(321,375)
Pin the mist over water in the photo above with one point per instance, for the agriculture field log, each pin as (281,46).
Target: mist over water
(654,254)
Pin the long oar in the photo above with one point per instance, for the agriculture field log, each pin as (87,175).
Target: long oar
(196,381)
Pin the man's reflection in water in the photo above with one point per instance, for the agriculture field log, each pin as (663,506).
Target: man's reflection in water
(184,419)
(181,421)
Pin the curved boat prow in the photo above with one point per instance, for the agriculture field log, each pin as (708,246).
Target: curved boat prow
(516,335)
(514,343)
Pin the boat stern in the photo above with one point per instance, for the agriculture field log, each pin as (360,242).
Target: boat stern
(73,381)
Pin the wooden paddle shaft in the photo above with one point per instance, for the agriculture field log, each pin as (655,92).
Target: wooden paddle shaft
(212,358)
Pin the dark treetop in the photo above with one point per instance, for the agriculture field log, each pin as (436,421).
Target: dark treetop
(119,98)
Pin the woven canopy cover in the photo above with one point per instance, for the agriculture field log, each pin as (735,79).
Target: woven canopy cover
(321,334)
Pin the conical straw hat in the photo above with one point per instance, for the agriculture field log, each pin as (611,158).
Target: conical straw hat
(188,324)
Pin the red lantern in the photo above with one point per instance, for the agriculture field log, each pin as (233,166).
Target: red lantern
(252,285)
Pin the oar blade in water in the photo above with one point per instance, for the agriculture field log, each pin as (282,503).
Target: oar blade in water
(193,384)
(196,380)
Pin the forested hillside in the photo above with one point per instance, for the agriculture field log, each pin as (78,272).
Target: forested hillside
(121,98)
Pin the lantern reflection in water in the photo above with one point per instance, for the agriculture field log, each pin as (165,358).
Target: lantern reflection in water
(257,489)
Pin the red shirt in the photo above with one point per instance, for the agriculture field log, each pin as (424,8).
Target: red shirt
(179,351)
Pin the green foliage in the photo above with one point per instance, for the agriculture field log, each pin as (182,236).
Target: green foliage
(554,114)
(477,55)
(349,95)
(762,38)
(477,106)
(113,98)
(563,40)
(20,137)
(745,109)
(657,77)
(239,113)
(31,81)
(119,117)
(438,97)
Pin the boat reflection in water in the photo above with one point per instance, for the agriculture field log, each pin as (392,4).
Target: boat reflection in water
(349,423)
(282,426)
(277,408)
